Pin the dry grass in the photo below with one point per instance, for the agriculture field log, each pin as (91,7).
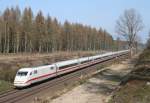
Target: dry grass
(135,91)
(4,86)
(10,63)
(38,55)
(134,88)
(144,58)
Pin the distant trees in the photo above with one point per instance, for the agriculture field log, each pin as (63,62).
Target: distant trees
(24,32)
(128,25)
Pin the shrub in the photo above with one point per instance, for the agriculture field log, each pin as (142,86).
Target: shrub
(7,75)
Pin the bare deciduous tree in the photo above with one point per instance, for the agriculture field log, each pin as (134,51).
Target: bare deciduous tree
(25,32)
(128,25)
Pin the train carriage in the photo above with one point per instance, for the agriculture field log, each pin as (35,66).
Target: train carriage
(28,76)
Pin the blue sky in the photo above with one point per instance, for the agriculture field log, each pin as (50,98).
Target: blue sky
(96,13)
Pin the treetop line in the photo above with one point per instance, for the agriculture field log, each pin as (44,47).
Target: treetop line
(24,32)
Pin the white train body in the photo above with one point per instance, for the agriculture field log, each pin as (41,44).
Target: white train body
(28,76)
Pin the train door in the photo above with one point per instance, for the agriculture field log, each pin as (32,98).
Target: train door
(56,69)
(33,75)
(30,77)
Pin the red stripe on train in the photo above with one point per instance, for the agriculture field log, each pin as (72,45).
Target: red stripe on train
(60,71)
(51,73)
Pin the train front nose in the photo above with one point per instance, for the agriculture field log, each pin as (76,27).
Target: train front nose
(20,81)
(21,78)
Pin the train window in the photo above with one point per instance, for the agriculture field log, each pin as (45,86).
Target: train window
(31,73)
(35,71)
(22,73)
(52,68)
(84,62)
(66,66)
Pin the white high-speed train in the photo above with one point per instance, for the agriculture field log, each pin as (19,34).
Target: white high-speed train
(28,76)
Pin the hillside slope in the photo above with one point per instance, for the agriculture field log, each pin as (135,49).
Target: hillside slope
(135,87)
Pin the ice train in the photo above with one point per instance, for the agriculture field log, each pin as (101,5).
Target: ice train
(28,76)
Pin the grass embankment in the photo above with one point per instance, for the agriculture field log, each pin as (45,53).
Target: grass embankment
(136,86)
(134,91)
(10,63)
(4,85)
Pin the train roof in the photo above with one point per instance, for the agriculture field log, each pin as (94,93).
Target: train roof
(25,69)
(68,62)
(44,66)
(30,69)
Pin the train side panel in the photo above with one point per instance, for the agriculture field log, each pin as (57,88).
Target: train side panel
(42,73)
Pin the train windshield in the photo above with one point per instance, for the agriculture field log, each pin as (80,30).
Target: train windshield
(22,73)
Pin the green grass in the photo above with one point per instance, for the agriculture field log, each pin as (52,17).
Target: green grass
(4,86)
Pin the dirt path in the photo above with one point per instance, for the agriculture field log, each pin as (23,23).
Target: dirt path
(98,88)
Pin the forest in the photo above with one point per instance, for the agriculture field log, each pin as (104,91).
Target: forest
(24,32)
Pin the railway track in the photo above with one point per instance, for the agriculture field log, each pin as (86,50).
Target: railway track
(36,90)
(15,95)
(8,93)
